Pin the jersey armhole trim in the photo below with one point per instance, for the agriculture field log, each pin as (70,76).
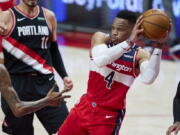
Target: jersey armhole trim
(13,23)
(45,15)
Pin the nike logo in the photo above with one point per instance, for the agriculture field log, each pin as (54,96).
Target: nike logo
(51,78)
(108,116)
(20,19)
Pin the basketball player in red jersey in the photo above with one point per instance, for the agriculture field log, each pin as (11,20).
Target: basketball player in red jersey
(30,56)
(116,60)
(5,5)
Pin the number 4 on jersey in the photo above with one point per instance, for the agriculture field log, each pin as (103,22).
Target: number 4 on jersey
(109,79)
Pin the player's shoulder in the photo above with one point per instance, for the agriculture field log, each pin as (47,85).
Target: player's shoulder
(99,38)
(49,14)
(100,34)
(5,15)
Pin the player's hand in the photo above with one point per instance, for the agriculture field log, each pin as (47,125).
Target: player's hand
(68,84)
(166,36)
(174,128)
(137,31)
(164,39)
(56,98)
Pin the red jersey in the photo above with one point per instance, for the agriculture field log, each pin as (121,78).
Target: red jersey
(108,85)
(6,4)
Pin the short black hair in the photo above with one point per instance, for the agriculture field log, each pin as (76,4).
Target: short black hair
(128,15)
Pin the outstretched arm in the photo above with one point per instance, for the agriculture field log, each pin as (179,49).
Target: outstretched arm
(20,108)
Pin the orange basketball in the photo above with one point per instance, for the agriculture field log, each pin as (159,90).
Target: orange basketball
(155,24)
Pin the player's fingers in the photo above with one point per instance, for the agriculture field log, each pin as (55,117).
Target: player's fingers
(55,86)
(139,19)
(140,31)
(66,96)
(140,22)
(64,91)
(171,129)
(62,98)
(69,85)
(177,130)
(68,80)
(168,132)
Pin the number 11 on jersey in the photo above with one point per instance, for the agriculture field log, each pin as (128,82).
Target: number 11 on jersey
(44,42)
(109,79)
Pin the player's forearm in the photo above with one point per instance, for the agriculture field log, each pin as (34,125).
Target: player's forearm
(9,94)
(149,69)
(18,107)
(57,60)
(23,108)
(102,55)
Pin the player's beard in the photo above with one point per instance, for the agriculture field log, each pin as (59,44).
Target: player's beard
(31,3)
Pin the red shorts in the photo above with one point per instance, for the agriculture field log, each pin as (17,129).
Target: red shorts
(89,119)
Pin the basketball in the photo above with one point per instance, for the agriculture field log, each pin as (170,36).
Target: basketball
(155,24)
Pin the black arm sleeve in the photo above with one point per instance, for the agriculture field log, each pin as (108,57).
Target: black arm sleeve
(176,105)
(57,60)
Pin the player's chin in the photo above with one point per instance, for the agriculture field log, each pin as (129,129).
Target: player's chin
(117,41)
(114,41)
(33,4)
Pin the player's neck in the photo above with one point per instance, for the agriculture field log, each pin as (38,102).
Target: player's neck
(31,11)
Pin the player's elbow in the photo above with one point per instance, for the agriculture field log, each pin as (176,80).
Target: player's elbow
(101,61)
(18,111)
(17,114)
(149,79)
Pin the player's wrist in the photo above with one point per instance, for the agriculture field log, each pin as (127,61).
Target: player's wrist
(157,51)
(125,46)
(130,42)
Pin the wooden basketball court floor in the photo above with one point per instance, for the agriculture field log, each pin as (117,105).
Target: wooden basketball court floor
(149,107)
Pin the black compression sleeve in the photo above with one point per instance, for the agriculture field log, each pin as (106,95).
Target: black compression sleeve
(57,60)
(176,105)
